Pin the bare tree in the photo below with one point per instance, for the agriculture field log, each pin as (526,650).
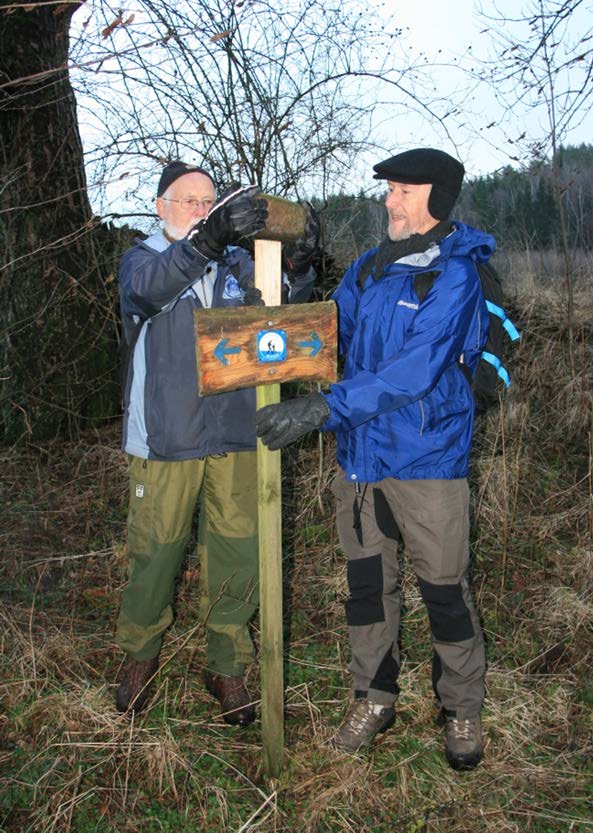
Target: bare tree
(55,303)
(278,94)
(544,63)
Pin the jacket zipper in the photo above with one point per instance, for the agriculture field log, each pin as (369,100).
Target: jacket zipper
(423,417)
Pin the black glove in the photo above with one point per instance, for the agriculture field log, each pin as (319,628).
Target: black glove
(253,298)
(282,424)
(236,214)
(298,259)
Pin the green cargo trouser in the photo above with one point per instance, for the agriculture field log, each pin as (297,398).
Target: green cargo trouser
(432,517)
(163,498)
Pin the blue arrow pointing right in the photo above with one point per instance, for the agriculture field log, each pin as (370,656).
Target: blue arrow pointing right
(316,344)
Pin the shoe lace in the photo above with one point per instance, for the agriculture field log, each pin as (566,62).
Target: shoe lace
(463,729)
(360,716)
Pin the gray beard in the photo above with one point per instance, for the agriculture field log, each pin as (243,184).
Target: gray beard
(175,232)
(391,250)
(401,236)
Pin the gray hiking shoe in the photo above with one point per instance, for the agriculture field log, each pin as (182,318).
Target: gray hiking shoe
(363,720)
(464,746)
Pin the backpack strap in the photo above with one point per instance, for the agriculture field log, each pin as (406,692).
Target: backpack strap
(422,286)
(493,296)
(498,366)
(508,325)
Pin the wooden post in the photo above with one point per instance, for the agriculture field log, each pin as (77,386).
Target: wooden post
(269,493)
(244,347)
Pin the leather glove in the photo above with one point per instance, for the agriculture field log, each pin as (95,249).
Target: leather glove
(298,259)
(282,424)
(253,298)
(236,214)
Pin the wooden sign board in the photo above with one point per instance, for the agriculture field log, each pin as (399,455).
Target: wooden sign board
(242,347)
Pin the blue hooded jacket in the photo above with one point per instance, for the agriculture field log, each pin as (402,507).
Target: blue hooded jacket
(404,408)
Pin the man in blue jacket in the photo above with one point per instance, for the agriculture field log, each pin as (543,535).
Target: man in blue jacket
(183,448)
(412,325)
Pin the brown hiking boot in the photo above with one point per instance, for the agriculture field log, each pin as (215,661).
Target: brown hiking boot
(136,684)
(464,746)
(237,707)
(363,720)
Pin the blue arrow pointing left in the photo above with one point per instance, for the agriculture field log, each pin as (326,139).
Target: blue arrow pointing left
(316,344)
(221,351)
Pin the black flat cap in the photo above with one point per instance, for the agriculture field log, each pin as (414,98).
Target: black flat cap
(423,166)
(174,170)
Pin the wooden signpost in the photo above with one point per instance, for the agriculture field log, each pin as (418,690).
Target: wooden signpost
(239,347)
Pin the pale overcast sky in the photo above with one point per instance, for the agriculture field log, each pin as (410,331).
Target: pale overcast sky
(480,136)
(447,39)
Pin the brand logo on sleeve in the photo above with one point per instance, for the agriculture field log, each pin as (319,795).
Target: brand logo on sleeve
(407,304)
(232,290)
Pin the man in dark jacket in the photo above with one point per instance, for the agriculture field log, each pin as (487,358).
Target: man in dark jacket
(183,448)
(403,418)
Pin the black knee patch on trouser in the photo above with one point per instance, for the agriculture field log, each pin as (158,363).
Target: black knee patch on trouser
(450,619)
(387,674)
(384,516)
(365,581)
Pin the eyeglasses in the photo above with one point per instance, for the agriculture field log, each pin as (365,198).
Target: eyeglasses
(191,205)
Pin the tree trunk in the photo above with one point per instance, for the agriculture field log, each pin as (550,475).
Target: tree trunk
(58,335)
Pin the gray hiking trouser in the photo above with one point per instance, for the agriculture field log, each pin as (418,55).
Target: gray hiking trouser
(432,518)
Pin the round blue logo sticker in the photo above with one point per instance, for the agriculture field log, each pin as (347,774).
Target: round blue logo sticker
(271,346)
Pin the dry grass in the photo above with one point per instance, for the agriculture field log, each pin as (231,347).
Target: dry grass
(68,762)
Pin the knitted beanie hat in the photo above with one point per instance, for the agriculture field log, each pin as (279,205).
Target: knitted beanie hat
(174,170)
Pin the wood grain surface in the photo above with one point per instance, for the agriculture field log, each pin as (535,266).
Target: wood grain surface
(226,345)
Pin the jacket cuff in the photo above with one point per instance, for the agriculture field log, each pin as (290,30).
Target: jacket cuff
(332,423)
(192,257)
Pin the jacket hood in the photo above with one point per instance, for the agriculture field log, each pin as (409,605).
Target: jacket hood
(468,241)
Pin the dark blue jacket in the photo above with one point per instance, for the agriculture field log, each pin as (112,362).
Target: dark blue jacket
(405,408)
(161,285)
